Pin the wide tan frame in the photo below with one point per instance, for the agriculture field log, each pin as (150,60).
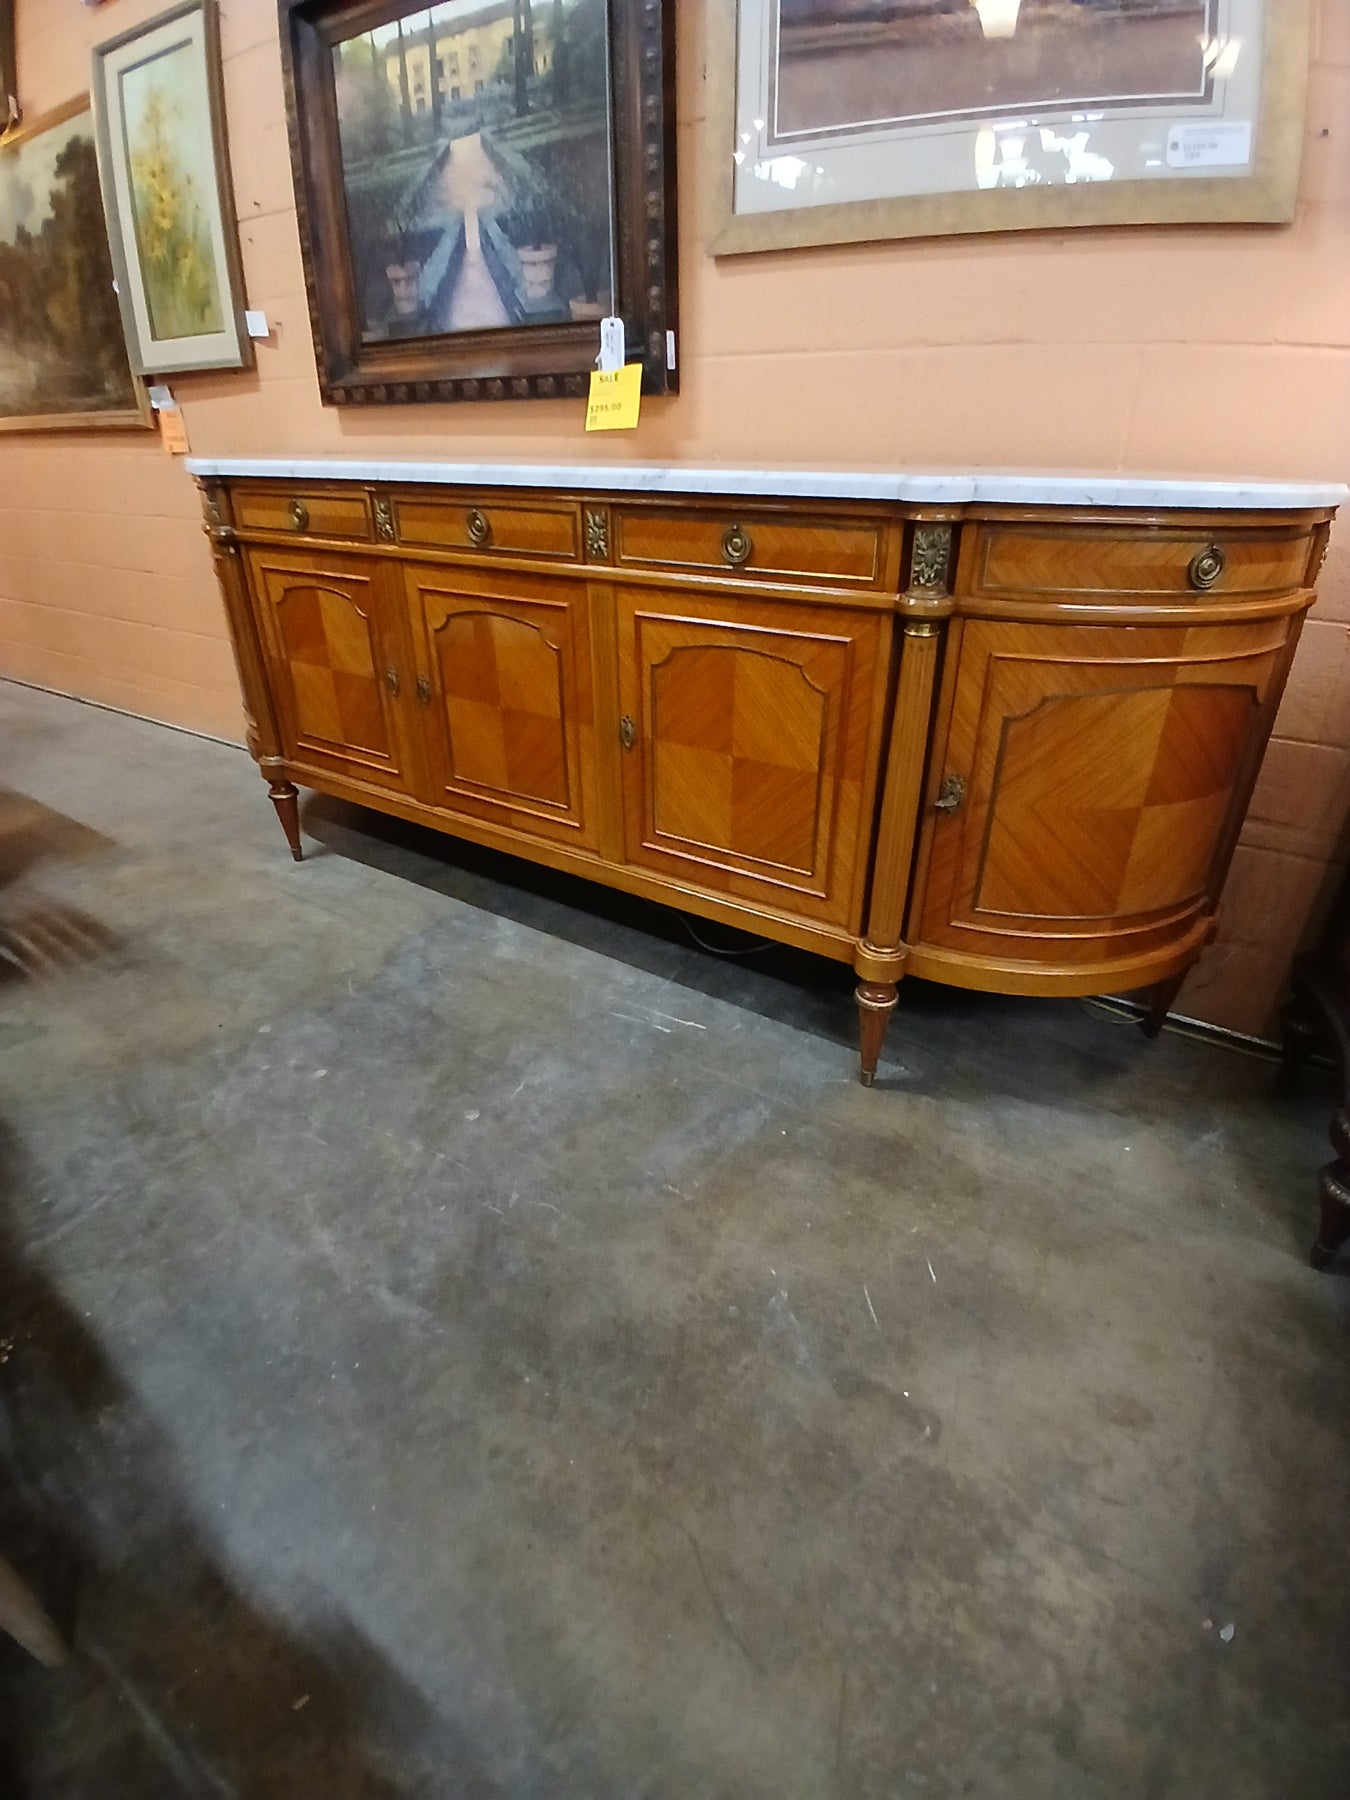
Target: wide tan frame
(1267,196)
(138,417)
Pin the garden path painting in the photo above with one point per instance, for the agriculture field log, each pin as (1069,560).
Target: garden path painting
(63,358)
(169,159)
(476,168)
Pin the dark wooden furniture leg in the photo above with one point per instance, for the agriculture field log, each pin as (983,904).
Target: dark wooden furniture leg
(286,798)
(876,1002)
(1299,1036)
(1317,1017)
(1160,1003)
(1333,1191)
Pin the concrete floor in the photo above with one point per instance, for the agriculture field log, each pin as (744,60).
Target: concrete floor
(460,1340)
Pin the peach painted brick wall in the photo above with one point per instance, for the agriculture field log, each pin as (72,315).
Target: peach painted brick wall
(1193,351)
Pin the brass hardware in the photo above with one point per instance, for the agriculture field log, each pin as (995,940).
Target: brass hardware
(391,681)
(951,794)
(1206,566)
(299,515)
(384,518)
(597,535)
(627,732)
(930,557)
(737,545)
(478,527)
(424,690)
(921,628)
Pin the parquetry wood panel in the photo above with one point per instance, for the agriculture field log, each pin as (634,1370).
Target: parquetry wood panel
(753,729)
(334,640)
(508,709)
(1026,559)
(1101,767)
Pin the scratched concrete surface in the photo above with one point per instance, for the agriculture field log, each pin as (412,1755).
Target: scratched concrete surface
(459,1339)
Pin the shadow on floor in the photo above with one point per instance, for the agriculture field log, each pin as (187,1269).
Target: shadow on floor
(177,1685)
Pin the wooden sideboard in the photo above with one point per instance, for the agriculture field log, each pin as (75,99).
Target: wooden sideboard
(1007,746)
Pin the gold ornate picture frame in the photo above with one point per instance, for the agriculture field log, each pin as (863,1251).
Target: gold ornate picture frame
(838,121)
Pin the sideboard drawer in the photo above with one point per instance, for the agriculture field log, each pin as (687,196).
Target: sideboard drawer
(539,529)
(775,545)
(302,512)
(1194,560)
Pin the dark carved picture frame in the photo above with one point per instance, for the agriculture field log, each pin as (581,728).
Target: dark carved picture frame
(527,361)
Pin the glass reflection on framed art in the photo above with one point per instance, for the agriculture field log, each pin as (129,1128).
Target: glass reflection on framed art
(840,120)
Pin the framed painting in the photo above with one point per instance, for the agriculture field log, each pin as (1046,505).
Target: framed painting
(835,121)
(479,183)
(160,108)
(63,358)
(9,72)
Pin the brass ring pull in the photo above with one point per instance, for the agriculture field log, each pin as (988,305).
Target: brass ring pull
(737,545)
(299,515)
(480,531)
(1206,566)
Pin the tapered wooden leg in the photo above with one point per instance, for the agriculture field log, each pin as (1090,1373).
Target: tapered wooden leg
(876,1002)
(1334,1195)
(1160,1003)
(286,798)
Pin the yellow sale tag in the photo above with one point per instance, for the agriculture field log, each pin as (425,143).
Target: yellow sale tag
(615,399)
(173,430)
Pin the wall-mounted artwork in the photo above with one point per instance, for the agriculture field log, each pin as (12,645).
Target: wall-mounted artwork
(161,138)
(479,183)
(9,73)
(63,358)
(840,120)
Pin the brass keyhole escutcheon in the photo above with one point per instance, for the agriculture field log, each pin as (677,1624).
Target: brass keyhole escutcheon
(950,794)
(478,527)
(1206,566)
(391,681)
(424,690)
(299,515)
(627,732)
(737,545)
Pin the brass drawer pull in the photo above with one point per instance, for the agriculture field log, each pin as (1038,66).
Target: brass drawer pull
(951,794)
(480,531)
(299,515)
(391,681)
(737,545)
(1206,566)
(627,732)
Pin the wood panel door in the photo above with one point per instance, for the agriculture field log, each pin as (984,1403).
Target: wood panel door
(505,677)
(340,663)
(1105,771)
(751,732)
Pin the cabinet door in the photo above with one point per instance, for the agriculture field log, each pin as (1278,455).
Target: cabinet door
(506,672)
(751,736)
(1105,771)
(338,655)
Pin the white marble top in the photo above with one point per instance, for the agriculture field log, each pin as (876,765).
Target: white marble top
(934,487)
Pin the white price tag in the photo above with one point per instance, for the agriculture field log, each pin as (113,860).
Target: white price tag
(1224,144)
(255,324)
(613,350)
